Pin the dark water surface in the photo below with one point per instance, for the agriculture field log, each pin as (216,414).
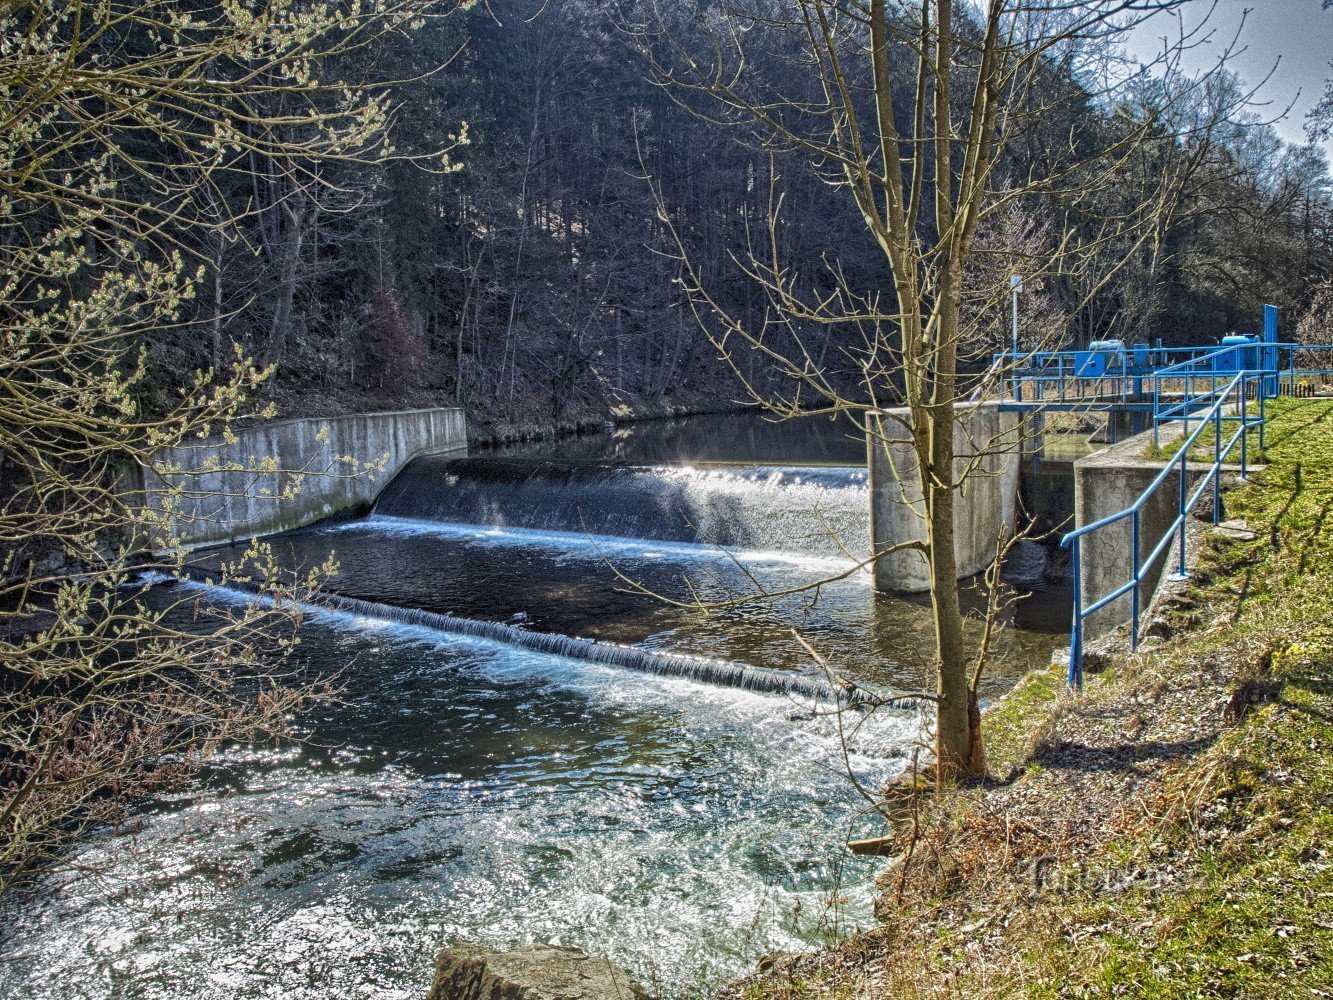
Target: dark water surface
(468,789)
(750,438)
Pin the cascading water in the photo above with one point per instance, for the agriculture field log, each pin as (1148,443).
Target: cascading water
(815,517)
(700,669)
(464,789)
(817,511)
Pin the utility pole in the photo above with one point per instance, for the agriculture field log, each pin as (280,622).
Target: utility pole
(1016,286)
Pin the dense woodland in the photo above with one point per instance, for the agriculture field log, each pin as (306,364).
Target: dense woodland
(532,282)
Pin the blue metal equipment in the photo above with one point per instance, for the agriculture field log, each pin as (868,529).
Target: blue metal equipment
(1203,388)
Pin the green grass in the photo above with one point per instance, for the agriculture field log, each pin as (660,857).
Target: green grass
(1250,819)
(1205,447)
(1014,726)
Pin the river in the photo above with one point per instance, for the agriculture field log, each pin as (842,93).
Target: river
(468,788)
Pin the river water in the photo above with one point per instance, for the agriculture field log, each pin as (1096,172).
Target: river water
(471,789)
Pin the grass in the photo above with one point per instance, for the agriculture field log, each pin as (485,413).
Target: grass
(1250,819)
(1205,446)
(1224,870)
(1021,719)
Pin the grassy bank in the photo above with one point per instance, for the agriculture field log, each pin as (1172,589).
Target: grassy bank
(1167,834)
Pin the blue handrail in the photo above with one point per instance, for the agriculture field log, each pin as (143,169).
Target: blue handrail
(1067,378)
(1188,385)
(1179,464)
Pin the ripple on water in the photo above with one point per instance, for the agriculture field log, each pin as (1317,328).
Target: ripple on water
(468,791)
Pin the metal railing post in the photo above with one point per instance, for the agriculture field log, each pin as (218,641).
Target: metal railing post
(1189,399)
(1134,594)
(1156,408)
(1075,678)
(1244,434)
(1217,461)
(1262,420)
(1181,572)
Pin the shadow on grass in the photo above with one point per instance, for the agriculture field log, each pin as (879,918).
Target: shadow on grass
(1320,691)
(1070,755)
(1276,437)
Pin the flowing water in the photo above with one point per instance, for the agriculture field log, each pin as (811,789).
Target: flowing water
(533,744)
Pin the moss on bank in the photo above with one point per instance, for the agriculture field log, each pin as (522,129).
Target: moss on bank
(1170,833)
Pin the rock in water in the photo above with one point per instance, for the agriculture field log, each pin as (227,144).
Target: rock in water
(534,972)
(1025,565)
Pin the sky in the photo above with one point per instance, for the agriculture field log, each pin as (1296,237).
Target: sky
(1294,35)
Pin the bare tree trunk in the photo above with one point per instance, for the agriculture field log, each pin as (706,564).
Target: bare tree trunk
(292,248)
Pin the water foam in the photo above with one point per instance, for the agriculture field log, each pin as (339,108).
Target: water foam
(587,545)
(697,669)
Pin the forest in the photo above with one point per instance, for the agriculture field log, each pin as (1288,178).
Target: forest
(533,280)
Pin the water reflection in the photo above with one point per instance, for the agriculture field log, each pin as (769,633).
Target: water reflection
(743,438)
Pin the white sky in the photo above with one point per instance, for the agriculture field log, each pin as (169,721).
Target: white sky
(1294,35)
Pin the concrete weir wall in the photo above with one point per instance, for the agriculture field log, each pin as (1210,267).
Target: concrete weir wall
(289,473)
(1105,483)
(984,505)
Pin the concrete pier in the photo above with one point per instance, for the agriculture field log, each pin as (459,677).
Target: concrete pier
(1107,482)
(984,505)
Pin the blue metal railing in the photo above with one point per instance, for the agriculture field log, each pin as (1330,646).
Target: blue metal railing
(1165,381)
(1235,393)
(1197,387)
(1092,375)
(1185,377)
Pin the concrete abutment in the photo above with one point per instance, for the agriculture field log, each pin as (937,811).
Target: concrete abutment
(287,474)
(987,446)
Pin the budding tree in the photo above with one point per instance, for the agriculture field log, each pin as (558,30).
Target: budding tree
(127,130)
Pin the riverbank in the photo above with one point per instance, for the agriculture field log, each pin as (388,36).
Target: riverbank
(1164,835)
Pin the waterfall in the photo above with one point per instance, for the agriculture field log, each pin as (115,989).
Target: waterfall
(700,669)
(806,510)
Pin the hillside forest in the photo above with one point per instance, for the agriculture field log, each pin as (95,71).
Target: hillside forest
(530,277)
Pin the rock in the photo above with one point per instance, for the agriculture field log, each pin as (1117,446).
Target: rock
(533,972)
(1025,565)
(1158,628)
(53,563)
(1098,654)
(777,960)
(1236,529)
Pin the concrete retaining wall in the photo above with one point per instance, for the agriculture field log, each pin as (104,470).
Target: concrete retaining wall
(983,507)
(1105,483)
(287,474)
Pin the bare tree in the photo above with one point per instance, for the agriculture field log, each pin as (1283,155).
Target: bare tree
(124,129)
(937,121)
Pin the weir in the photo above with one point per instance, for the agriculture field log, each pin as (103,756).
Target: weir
(791,524)
(286,474)
(804,510)
(702,670)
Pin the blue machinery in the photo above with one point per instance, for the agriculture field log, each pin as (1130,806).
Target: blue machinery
(1205,389)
